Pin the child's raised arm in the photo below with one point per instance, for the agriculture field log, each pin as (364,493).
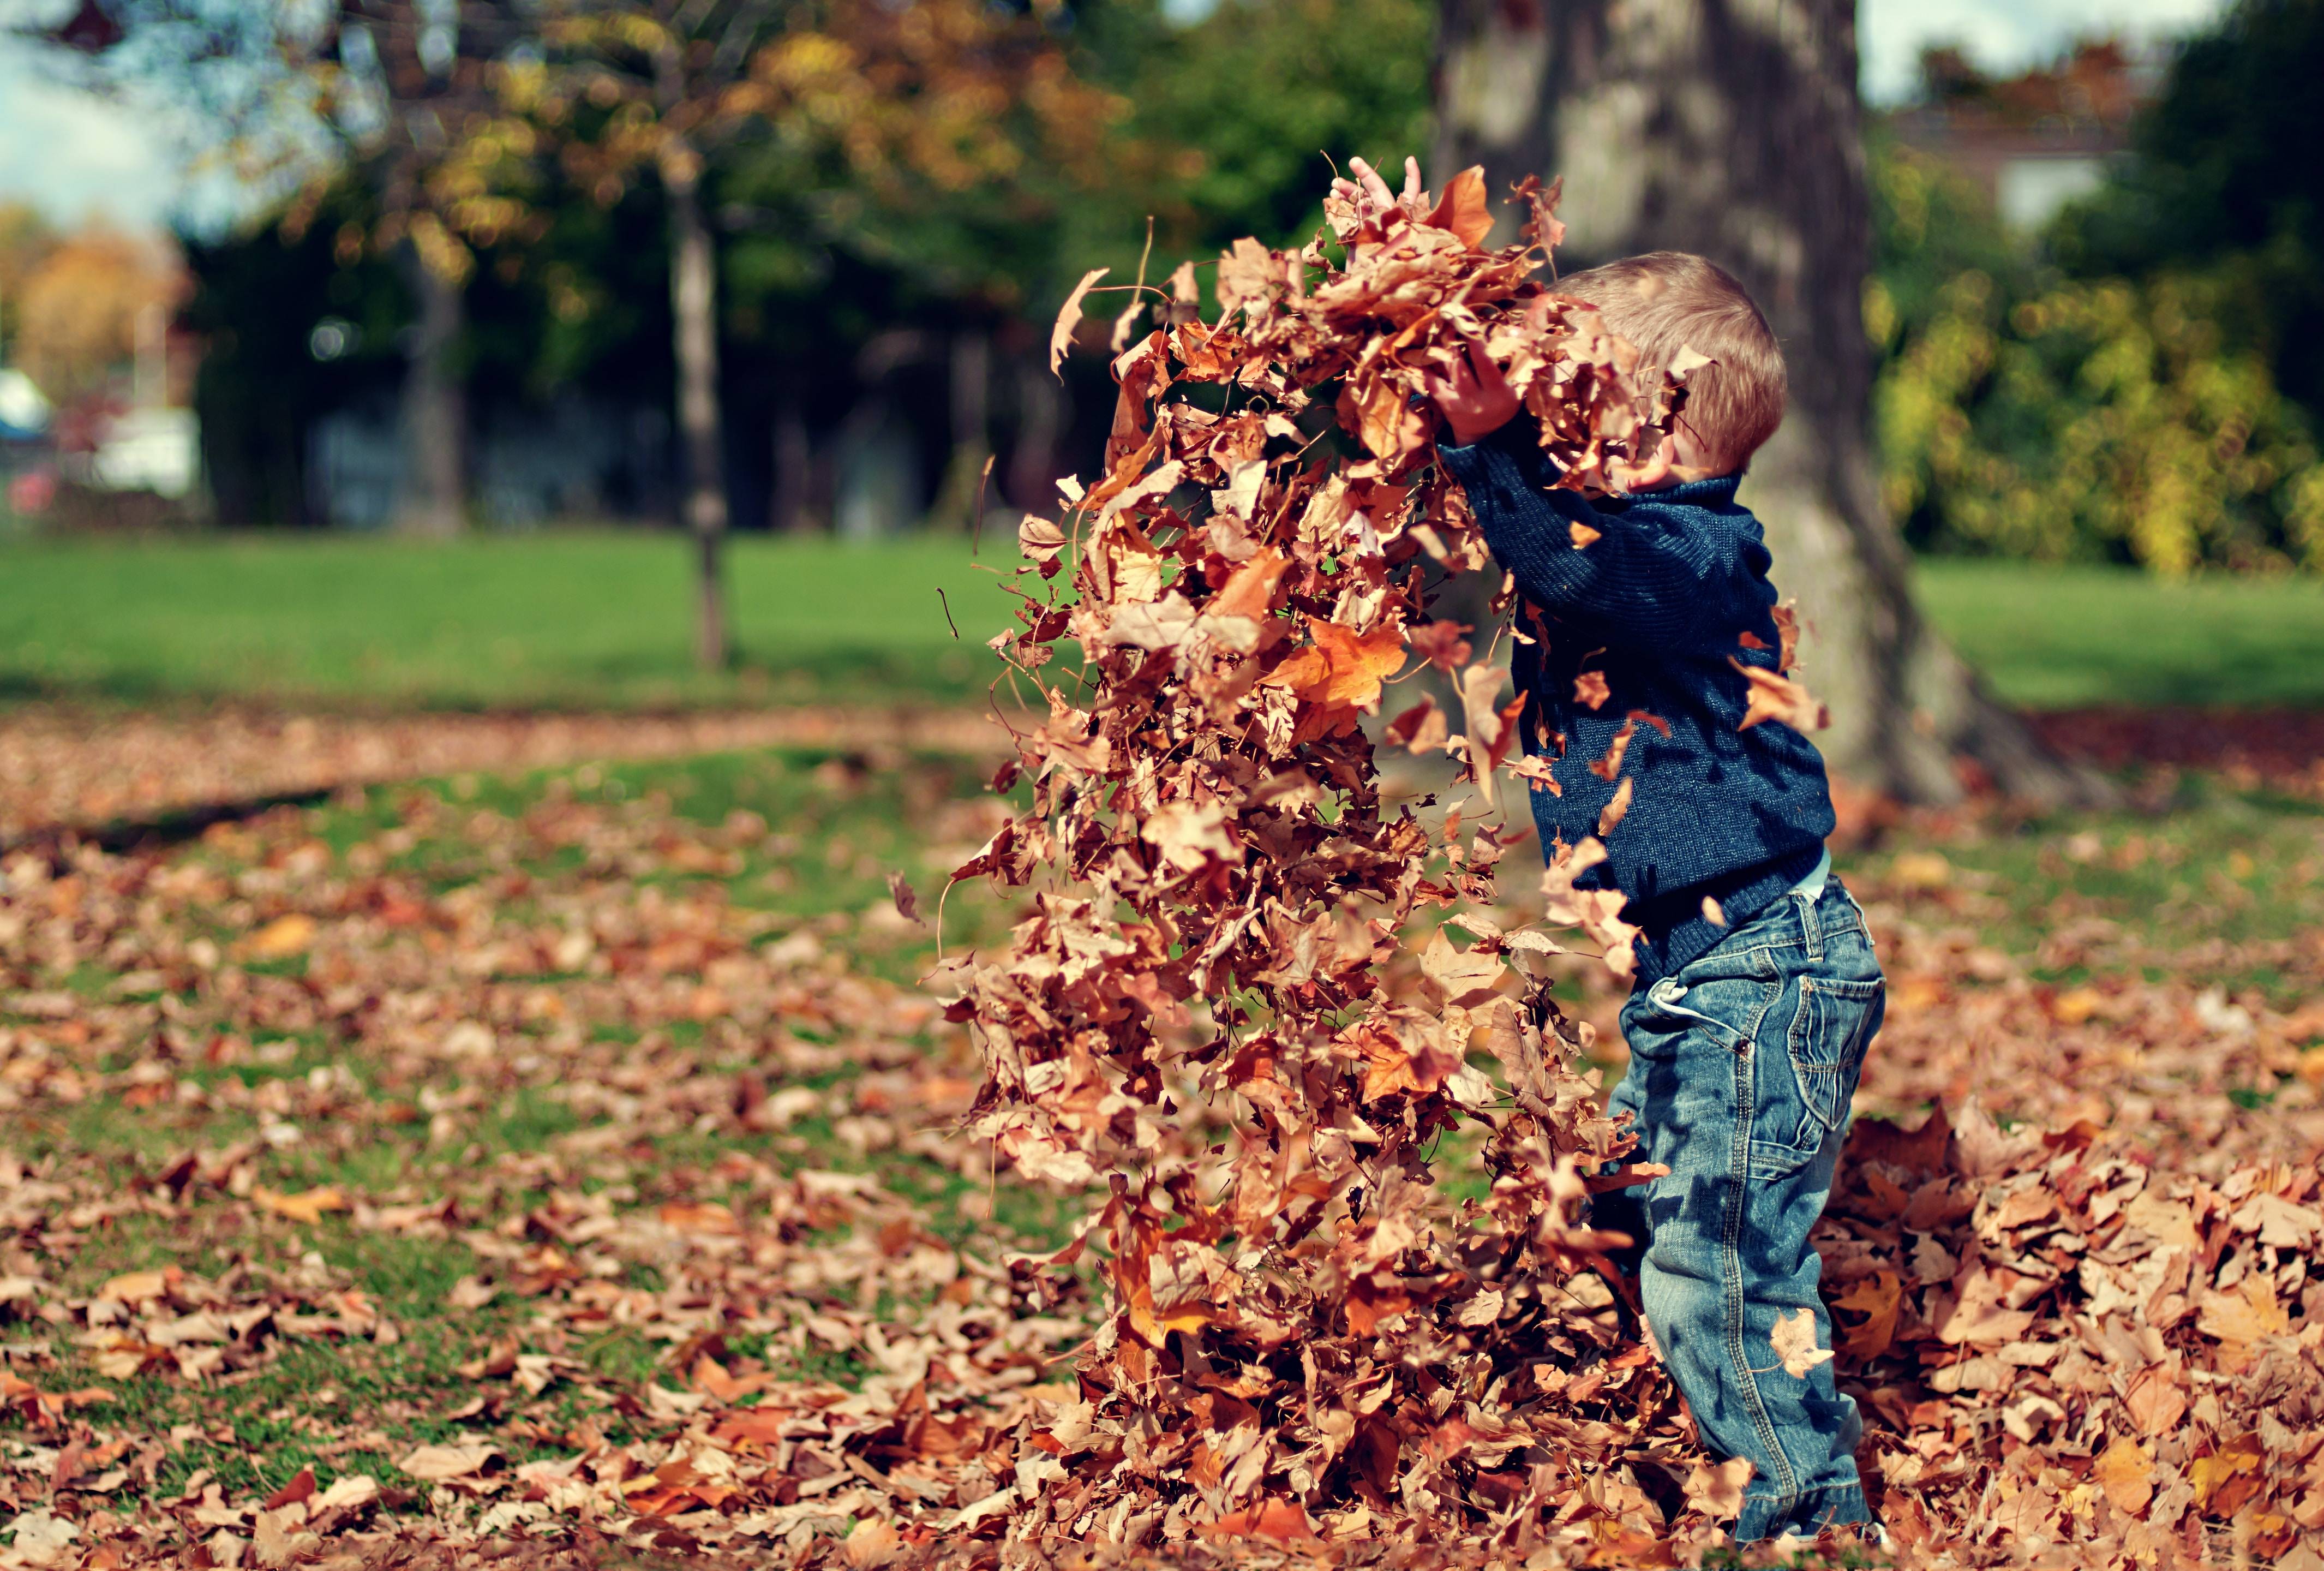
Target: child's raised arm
(1650,573)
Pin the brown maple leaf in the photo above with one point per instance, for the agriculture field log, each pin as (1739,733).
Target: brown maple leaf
(1342,670)
(1779,698)
(1794,1341)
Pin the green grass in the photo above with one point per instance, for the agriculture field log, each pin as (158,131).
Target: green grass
(2052,637)
(2216,885)
(576,619)
(563,620)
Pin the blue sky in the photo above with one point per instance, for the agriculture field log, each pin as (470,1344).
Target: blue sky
(76,157)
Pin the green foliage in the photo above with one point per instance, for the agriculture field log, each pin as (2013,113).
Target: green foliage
(2025,413)
(1246,104)
(2145,386)
(2226,174)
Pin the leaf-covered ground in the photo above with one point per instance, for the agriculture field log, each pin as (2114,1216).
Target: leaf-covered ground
(568,1152)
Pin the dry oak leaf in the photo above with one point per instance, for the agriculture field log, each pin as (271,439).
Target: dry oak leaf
(2126,1471)
(1283,1520)
(136,1287)
(1590,689)
(1188,833)
(1466,978)
(1877,1298)
(277,1540)
(1250,589)
(1420,729)
(870,1542)
(1343,669)
(1779,698)
(2232,1469)
(907,901)
(1794,1341)
(2249,1313)
(2155,1399)
(1716,1489)
(1462,209)
(308,1205)
(706,1216)
(1440,643)
(1069,316)
(437,1462)
(280,938)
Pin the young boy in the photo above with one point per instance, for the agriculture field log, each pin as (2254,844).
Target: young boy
(1756,989)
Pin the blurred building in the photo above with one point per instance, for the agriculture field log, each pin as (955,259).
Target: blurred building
(2035,142)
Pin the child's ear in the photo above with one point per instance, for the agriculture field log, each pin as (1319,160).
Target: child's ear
(1651,472)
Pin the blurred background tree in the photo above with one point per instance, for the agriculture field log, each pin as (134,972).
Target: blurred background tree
(788,264)
(2139,380)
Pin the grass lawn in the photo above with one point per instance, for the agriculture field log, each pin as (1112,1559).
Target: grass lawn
(2056,638)
(574,620)
(564,619)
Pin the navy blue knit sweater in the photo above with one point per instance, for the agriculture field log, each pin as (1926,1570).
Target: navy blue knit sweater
(1657,607)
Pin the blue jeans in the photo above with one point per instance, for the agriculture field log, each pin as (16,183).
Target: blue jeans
(1742,1065)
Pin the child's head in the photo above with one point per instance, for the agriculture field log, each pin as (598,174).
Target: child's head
(1668,300)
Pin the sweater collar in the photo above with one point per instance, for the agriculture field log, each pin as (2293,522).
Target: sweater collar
(1717,491)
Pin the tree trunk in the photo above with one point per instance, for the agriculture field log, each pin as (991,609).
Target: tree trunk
(1732,130)
(1041,417)
(790,505)
(963,490)
(694,311)
(435,498)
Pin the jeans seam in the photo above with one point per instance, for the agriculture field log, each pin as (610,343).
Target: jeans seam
(1731,1272)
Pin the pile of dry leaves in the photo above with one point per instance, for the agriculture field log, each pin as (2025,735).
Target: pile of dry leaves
(1202,1013)
(1208,1011)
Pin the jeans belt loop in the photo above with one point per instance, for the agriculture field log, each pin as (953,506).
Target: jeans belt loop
(1812,928)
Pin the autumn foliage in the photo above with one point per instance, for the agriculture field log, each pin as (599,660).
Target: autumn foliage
(1215,1011)
(1209,1011)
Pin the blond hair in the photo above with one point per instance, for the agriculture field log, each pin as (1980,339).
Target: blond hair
(1668,300)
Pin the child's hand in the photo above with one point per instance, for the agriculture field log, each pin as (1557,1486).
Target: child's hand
(1476,400)
(1368,194)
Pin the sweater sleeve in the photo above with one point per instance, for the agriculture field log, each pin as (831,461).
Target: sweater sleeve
(1650,576)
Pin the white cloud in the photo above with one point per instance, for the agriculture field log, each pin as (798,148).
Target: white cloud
(2003,35)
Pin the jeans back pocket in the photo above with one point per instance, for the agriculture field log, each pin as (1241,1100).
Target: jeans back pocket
(1837,1017)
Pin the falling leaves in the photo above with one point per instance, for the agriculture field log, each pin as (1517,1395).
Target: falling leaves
(1069,319)
(1773,696)
(1212,1002)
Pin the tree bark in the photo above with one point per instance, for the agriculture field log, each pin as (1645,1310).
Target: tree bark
(1731,128)
(1041,418)
(963,489)
(694,311)
(790,503)
(435,500)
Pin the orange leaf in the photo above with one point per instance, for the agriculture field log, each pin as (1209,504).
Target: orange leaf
(1464,209)
(1250,588)
(307,1206)
(698,1216)
(1774,697)
(1343,669)
(2126,1471)
(1283,1520)
(1876,1298)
